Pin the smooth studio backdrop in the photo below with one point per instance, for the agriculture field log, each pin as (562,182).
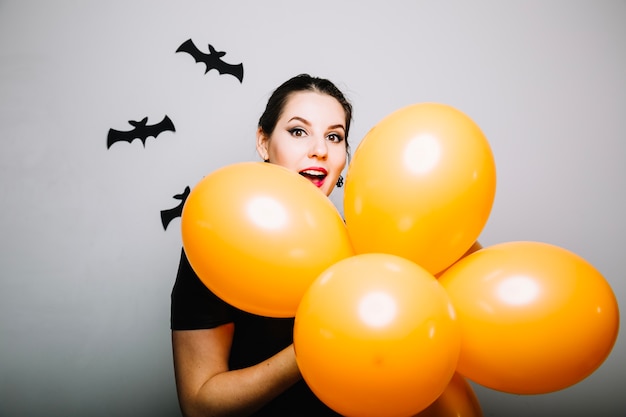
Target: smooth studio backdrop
(86,265)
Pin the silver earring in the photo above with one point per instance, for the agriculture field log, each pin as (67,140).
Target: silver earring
(340,181)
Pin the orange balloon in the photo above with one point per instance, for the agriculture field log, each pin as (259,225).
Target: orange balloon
(476,246)
(535,318)
(458,400)
(376,335)
(258,234)
(421,186)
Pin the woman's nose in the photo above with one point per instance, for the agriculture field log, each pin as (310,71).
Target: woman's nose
(319,148)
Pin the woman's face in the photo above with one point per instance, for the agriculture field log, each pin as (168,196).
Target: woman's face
(309,138)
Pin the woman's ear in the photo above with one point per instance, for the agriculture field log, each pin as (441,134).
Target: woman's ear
(262,144)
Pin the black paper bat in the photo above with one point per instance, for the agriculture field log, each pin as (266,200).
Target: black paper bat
(141,130)
(170,214)
(213,60)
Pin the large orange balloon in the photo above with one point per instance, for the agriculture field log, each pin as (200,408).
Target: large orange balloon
(376,335)
(258,234)
(421,186)
(535,318)
(458,400)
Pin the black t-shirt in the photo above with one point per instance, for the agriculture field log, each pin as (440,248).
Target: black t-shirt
(256,338)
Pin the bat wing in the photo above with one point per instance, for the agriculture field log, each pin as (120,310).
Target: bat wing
(115,136)
(189,47)
(168,215)
(156,129)
(234,70)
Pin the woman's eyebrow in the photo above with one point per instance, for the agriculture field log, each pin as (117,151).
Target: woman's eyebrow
(300,119)
(306,122)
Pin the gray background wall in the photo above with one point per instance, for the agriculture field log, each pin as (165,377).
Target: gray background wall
(86,266)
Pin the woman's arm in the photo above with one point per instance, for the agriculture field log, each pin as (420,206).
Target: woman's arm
(206,386)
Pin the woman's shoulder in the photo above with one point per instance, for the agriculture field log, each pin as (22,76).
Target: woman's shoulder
(193,305)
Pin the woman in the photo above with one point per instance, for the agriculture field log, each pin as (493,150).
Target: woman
(227,361)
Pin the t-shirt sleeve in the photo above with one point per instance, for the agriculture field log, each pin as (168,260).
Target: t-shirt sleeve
(193,305)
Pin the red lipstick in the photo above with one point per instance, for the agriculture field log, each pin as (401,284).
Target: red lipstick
(316,175)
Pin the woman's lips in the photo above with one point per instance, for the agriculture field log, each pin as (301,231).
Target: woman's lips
(315,175)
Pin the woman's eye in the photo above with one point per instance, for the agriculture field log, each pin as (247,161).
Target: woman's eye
(296,131)
(333,137)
